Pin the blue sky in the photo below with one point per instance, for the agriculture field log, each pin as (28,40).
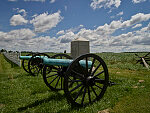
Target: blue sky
(50,25)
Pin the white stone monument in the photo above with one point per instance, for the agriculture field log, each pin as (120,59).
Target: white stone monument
(79,46)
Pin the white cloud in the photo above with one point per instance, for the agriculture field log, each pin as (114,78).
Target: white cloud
(65,8)
(75,29)
(20,34)
(101,38)
(138,1)
(61,32)
(12,0)
(18,20)
(136,26)
(148,27)
(16,39)
(96,4)
(52,1)
(120,13)
(34,0)
(45,21)
(66,38)
(22,11)
(136,19)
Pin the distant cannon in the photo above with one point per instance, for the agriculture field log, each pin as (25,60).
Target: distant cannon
(84,79)
(28,67)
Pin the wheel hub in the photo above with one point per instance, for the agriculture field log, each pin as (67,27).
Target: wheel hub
(60,72)
(90,81)
(41,65)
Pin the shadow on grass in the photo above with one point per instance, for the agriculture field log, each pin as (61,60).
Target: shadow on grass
(56,97)
(23,75)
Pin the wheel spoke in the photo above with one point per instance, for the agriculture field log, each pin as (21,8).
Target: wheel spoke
(75,81)
(52,75)
(86,66)
(96,69)
(39,71)
(93,91)
(32,67)
(54,79)
(76,87)
(83,96)
(99,73)
(78,93)
(78,74)
(101,81)
(61,82)
(82,68)
(89,95)
(55,68)
(35,69)
(98,86)
(57,82)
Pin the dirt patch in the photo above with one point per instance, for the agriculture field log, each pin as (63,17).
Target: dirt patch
(104,111)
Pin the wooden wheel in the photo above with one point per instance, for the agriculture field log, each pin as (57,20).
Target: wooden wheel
(53,76)
(89,81)
(35,64)
(25,63)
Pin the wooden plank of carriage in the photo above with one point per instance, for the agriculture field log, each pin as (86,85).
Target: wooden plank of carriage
(146,65)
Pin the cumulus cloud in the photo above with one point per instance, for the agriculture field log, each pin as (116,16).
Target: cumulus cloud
(34,0)
(117,15)
(103,34)
(22,11)
(101,38)
(21,34)
(75,29)
(96,4)
(136,19)
(12,0)
(52,1)
(120,13)
(61,32)
(138,1)
(136,26)
(18,20)
(66,38)
(45,21)
(16,39)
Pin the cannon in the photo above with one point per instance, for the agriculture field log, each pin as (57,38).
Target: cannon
(32,63)
(29,67)
(84,79)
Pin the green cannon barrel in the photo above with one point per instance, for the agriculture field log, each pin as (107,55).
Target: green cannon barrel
(28,57)
(64,62)
(56,62)
(25,57)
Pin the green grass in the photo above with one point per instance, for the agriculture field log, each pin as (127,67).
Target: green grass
(22,93)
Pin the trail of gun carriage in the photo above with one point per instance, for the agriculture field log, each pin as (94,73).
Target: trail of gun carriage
(79,81)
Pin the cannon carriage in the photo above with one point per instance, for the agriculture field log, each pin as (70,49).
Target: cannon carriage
(84,79)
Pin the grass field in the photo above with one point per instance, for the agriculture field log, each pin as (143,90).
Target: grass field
(21,92)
